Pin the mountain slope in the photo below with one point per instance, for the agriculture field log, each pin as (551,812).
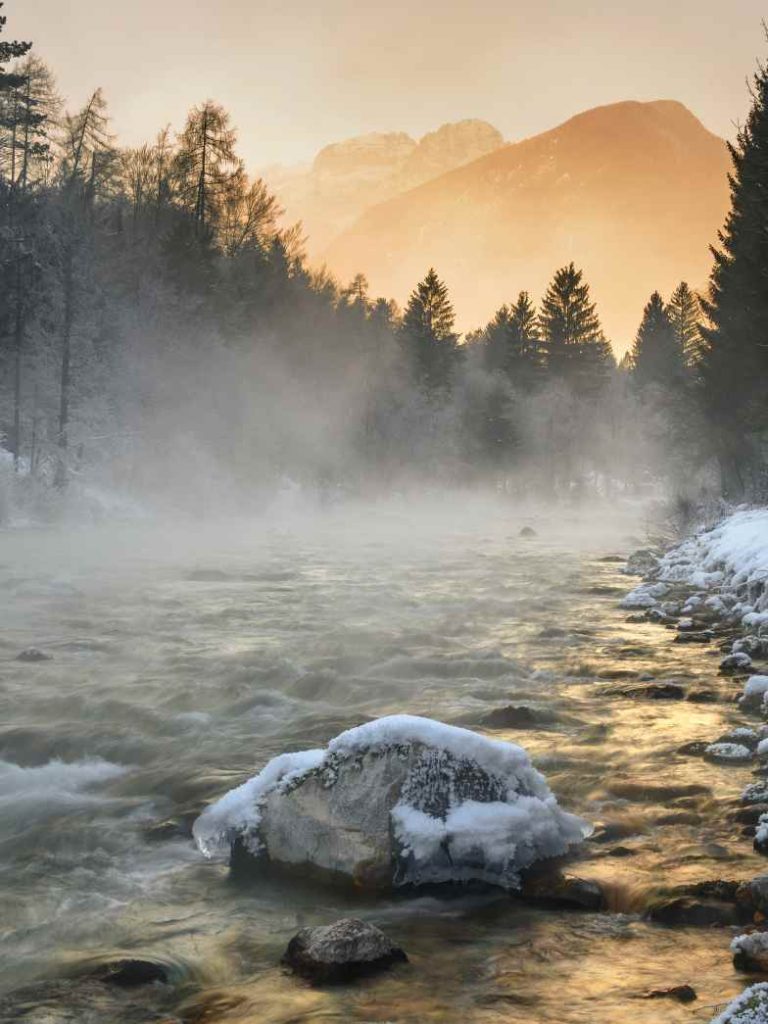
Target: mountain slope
(347,177)
(632,192)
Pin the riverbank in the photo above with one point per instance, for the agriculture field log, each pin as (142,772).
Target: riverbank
(712,589)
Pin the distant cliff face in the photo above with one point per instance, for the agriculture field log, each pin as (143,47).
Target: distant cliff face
(633,192)
(347,177)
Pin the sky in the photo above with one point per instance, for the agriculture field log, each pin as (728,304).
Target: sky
(298,74)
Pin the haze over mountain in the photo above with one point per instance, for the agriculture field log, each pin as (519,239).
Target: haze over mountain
(632,192)
(347,177)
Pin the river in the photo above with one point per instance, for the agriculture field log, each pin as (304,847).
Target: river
(183,658)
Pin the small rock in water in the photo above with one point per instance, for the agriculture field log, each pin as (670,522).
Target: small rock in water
(687,910)
(341,951)
(732,664)
(682,993)
(755,793)
(132,973)
(528,531)
(750,815)
(33,654)
(703,697)
(207,576)
(517,716)
(648,691)
(679,818)
(703,637)
(568,892)
(697,748)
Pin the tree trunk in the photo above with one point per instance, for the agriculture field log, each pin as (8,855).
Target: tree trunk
(19,349)
(65,380)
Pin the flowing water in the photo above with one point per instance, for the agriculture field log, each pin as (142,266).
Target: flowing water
(183,659)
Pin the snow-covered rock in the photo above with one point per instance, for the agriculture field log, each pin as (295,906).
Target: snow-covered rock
(751,1007)
(755,690)
(728,753)
(750,952)
(735,663)
(398,801)
(727,565)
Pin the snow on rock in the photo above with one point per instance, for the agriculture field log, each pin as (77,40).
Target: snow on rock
(750,951)
(755,689)
(728,753)
(751,1007)
(401,800)
(731,559)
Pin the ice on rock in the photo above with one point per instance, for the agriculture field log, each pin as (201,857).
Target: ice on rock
(751,1007)
(398,801)
(755,691)
(731,558)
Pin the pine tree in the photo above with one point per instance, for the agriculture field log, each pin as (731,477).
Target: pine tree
(734,355)
(573,344)
(427,334)
(684,312)
(657,355)
(512,343)
(32,105)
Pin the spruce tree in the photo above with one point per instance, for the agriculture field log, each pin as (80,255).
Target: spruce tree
(207,171)
(572,339)
(685,316)
(427,334)
(734,355)
(657,355)
(512,343)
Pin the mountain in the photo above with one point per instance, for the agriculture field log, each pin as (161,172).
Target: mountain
(632,192)
(347,177)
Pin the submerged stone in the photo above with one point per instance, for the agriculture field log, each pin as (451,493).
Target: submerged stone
(341,951)
(32,655)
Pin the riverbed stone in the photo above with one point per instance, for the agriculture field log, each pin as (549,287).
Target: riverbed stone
(342,951)
(648,691)
(750,952)
(642,562)
(680,993)
(565,891)
(518,716)
(689,910)
(734,664)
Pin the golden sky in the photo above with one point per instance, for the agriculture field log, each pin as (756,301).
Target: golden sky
(297,74)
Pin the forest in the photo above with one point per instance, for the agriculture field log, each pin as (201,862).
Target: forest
(163,336)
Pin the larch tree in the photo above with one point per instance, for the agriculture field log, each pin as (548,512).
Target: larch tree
(208,174)
(428,336)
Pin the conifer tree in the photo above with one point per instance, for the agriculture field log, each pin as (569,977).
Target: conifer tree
(734,355)
(207,171)
(685,316)
(657,356)
(428,336)
(573,343)
(512,343)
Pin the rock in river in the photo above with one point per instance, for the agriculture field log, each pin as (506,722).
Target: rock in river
(397,801)
(341,951)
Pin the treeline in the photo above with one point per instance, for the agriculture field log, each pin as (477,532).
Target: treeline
(161,331)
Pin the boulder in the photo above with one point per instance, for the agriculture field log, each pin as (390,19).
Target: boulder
(400,801)
(689,910)
(341,951)
(528,531)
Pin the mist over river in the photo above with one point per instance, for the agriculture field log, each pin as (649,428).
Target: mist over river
(184,657)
